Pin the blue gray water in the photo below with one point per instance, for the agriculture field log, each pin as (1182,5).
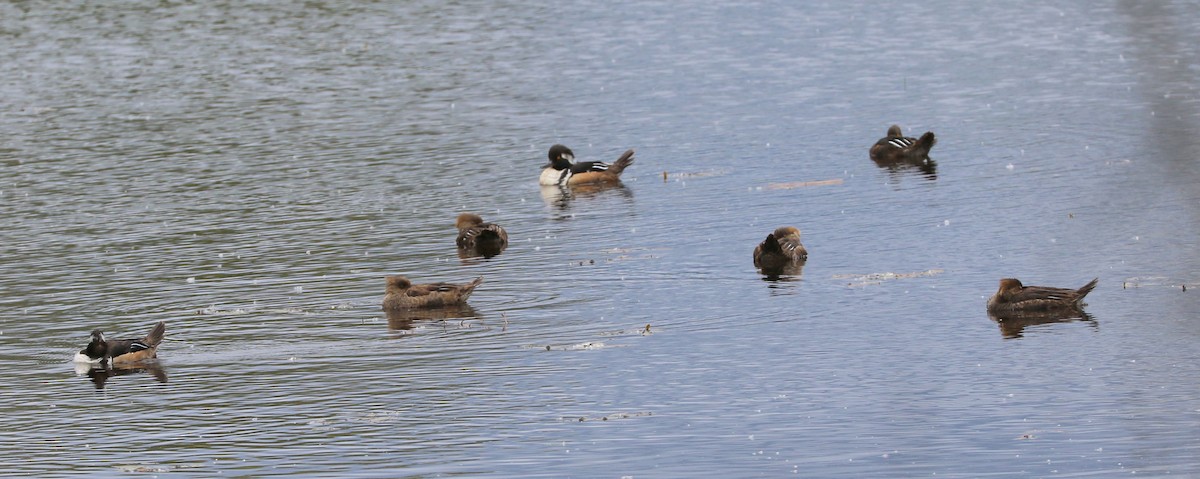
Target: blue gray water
(249,173)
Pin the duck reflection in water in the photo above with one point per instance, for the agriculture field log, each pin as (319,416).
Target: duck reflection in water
(898,154)
(561,196)
(1013,324)
(404,319)
(100,373)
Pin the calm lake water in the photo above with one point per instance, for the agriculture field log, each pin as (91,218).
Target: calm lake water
(249,172)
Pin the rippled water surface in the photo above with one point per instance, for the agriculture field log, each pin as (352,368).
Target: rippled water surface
(249,172)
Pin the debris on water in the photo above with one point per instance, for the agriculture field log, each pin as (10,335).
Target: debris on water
(1010,167)
(614,416)
(876,278)
(639,331)
(804,184)
(575,347)
(142,468)
(191,280)
(1151,281)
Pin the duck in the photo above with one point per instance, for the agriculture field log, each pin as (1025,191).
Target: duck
(122,351)
(403,294)
(895,147)
(562,172)
(1014,297)
(781,249)
(476,236)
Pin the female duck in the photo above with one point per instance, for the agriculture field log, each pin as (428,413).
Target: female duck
(1013,297)
(781,248)
(562,172)
(476,236)
(896,147)
(122,351)
(402,294)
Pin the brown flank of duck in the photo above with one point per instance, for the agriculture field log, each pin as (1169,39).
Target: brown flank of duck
(403,294)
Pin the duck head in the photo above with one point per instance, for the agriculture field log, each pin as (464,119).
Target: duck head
(787,231)
(894,131)
(398,283)
(560,157)
(98,348)
(468,220)
(1009,286)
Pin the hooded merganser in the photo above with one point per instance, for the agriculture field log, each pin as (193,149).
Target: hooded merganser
(122,351)
(562,172)
(402,294)
(1013,297)
(779,250)
(475,236)
(896,147)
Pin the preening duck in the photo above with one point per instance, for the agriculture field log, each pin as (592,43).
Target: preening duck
(562,172)
(122,351)
(403,294)
(780,250)
(895,147)
(480,238)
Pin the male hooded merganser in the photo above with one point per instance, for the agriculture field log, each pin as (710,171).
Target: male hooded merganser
(781,249)
(1013,297)
(118,351)
(896,147)
(402,294)
(485,239)
(562,172)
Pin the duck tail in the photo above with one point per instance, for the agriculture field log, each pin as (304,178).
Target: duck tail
(490,233)
(470,287)
(771,244)
(1087,288)
(623,162)
(156,335)
(925,143)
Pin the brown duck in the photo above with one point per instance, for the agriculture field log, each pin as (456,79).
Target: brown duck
(781,249)
(403,294)
(895,147)
(476,236)
(122,351)
(1013,297)
(562,172)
